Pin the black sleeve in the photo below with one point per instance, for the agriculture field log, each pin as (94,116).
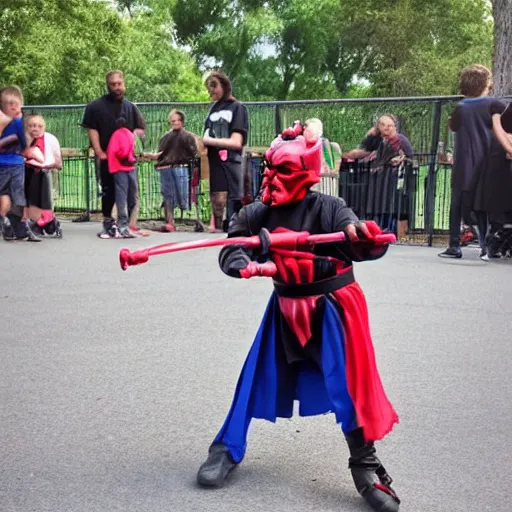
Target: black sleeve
(497,107)
(138,120)
(506,118)
(240,121)
(342,216)
(90,119)
(234,258)
(371,143)
(454,119)
(406,146)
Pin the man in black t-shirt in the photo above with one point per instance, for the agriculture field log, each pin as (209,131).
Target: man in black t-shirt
(100,120)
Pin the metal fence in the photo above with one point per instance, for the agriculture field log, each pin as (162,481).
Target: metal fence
(423,120)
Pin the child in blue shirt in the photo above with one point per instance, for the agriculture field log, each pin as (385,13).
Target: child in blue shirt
(13,148)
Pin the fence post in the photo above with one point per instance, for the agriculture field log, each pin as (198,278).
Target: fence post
(277,120)
(87,186)
(431,177)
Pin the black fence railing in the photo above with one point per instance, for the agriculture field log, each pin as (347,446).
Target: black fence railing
(423,120)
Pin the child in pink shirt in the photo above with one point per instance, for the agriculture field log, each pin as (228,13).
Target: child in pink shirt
(121,163)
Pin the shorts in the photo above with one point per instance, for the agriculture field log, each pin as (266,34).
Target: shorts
(175,186)
(12,183)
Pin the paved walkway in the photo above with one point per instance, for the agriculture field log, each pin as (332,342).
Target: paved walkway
(114,383)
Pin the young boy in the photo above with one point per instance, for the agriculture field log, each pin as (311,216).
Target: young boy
(12,167)
(472,124)
(121,163)
(314,344)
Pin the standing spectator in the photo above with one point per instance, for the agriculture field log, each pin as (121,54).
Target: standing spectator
(121,163)
(38,181)
(13,147)
(386,150)
(495,192)
(226,132)
(383,144)
(472,123)
(176,151)
(100,117)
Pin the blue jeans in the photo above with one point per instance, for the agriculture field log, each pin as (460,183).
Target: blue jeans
(174,183)
(12,183)
(126,195)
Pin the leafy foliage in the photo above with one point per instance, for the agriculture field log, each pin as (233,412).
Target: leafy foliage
(58,51)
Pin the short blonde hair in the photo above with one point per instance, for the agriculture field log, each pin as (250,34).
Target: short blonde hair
(31,117)
(315,127)
(13,90)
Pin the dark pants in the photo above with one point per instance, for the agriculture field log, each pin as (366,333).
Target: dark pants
(108,190)
(126,196)
(234,178)
(461,210)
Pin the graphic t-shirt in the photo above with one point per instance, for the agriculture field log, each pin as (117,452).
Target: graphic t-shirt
(225,118)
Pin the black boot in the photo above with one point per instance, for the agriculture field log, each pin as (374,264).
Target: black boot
(370,477)
(218,465)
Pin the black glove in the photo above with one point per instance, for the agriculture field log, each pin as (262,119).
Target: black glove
(264,236)
(233,258)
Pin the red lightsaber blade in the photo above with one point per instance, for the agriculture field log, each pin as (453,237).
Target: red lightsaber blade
(287,240)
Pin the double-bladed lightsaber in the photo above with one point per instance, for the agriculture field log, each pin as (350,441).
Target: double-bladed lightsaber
(283,240)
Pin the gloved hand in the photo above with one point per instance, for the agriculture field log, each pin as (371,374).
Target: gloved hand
(365,247)
(253,269)
(234,260)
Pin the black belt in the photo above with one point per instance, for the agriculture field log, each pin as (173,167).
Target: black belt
(160,167)
(323,287)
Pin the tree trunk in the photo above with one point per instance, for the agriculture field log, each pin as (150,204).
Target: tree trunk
(502,61)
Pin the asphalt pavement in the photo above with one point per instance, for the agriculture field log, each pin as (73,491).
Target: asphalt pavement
(114,383)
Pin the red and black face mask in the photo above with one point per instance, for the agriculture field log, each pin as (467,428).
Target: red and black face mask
(292,167)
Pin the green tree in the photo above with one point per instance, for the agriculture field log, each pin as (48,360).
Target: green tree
(55,50)
(59,51)
(502,58)
(410,47)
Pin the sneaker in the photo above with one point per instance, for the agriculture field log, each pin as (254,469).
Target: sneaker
(26,233)
(451,252)
(31,237)
(109,231)
(8,232)
(36,229)
(126,233)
